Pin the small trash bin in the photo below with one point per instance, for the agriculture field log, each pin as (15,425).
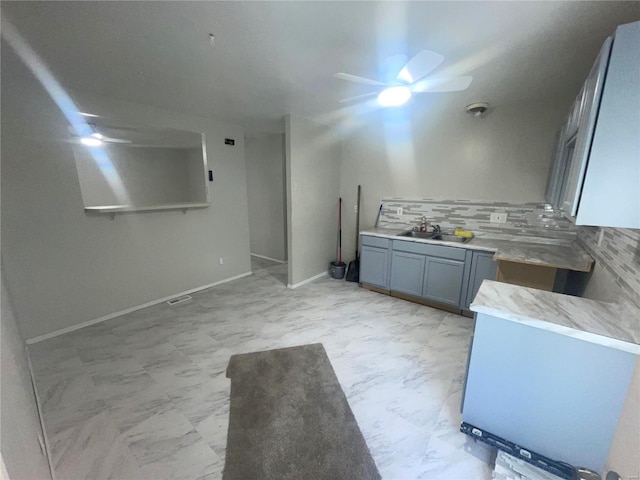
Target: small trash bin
(336,269)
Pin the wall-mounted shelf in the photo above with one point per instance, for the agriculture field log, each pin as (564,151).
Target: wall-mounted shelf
(113,210)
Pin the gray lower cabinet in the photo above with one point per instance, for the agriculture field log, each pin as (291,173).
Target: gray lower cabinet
(483,267)
(443,279)
(435,272)
(407,273)
(439,273)
(374,261)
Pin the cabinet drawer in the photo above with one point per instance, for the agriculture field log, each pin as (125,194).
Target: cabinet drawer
(429,249)
(375,241)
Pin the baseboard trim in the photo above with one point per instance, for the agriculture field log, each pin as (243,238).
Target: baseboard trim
(268,258)
(78,326)
(308,280)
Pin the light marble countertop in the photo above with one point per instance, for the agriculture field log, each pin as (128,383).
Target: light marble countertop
(547,252)
(603,323)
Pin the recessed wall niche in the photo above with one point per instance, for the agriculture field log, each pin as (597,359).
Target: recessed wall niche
(123,167)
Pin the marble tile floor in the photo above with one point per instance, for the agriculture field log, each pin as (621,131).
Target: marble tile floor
(145,396)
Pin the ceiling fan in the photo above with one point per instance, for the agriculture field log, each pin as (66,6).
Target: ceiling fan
(411,79)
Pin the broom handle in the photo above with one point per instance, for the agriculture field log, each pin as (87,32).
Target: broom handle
(358,223)
(340,232)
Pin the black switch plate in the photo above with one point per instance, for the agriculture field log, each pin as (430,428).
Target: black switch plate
(229,141)
(211,175)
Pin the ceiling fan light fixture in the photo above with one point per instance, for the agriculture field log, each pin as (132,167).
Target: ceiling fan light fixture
(394,96)
(413,77)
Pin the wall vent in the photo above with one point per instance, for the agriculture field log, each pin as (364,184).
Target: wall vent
(177,300)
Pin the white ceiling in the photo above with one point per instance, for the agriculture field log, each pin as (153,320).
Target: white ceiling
(275,58)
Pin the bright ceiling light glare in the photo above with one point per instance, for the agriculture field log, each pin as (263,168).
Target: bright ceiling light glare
(405,75)
(394,96)
(91,142)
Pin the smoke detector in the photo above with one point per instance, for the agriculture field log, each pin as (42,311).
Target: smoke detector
(477,109)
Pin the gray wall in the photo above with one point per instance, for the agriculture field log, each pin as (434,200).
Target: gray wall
(64,267)
(436,153)
(19,444)
(266,195)
(313,171)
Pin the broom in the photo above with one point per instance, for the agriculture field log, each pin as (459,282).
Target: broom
(353,272)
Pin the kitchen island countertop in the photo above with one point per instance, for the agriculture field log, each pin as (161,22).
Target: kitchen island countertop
(603,323)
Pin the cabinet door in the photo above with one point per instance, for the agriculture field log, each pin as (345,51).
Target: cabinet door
(374,263)
(576,112)
(610,193)
(577,161)
(556,172)
(407,273)
(483,267)
(443,280)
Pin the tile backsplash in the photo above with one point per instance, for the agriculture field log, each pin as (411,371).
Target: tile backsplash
(529,219)
(618,253)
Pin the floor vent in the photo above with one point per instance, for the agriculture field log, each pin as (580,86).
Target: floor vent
(177,300)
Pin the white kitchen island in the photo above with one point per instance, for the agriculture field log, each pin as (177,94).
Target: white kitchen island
(550,372)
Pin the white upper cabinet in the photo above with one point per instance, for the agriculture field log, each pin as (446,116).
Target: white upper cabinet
(575,114)
(557,170)
(597,169)
(577,146)
(611,189)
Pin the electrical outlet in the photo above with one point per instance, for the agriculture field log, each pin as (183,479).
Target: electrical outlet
(355,209)
(221,261)
(399,211)
(498,218)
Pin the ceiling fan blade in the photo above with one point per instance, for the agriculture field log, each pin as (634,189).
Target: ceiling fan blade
(356,79)
(115,140)
(442,84)
(390,67)
(420,65)
(357,97)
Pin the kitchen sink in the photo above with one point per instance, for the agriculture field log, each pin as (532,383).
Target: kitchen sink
(412,234)
(444,237)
